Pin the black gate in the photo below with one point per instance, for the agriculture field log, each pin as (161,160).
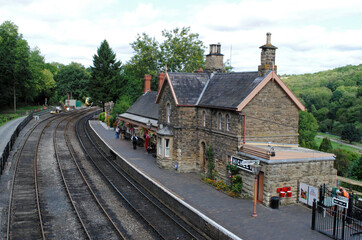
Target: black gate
(336,221)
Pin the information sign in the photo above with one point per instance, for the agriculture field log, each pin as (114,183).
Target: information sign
(340,202)
(244,164)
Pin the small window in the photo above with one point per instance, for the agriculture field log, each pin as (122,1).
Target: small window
(204,118)
(227,122)
(167,147)
(160,146)
(220,121)
(168,112)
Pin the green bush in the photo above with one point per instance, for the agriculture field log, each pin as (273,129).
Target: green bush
(101,116)
(237,184)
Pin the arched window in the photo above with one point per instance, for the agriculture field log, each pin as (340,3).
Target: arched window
(220,121)
(204,118)
(168,112)
(227,122)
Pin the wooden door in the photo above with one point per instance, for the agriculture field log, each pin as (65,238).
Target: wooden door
(260,187)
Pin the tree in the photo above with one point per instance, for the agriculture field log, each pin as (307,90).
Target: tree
(182,51)
(326,145)
(355,170)
(105,82)
(14,63)
(73,79)
(308,127)
(350,133)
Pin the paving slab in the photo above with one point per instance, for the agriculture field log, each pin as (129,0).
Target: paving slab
(287,222)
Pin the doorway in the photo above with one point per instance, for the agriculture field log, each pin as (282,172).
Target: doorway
(260,187)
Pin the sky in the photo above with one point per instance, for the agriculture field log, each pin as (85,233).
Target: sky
(311,35)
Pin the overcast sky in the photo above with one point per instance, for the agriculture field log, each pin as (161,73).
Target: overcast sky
(311,35)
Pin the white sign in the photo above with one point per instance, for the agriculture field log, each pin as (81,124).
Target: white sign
(312,194)
(340,202)
(307,194)
(244,164)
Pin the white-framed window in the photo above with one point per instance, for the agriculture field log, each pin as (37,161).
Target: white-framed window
(204,118)
(168,112)
(220,121)
(167,147)
(227,122)
(160,146)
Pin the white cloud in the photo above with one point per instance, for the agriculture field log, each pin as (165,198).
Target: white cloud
(311,35)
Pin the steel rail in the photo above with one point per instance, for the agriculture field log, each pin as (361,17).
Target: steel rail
(29,132)
(70,148)
(66,185)
(128,181)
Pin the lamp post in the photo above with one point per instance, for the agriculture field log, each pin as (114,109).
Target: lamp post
(256,169)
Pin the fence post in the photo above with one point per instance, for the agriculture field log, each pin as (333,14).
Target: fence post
(314,213)
(350,208)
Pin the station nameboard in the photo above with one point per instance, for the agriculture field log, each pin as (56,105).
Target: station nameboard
(340,202)
(244,164)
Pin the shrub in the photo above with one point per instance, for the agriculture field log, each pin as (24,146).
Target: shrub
(237,184)
(221,185)
(101,116)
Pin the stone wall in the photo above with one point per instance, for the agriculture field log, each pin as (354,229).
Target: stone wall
(271,116)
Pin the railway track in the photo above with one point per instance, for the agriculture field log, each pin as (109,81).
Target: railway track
(163,221)
(24,213)
(93,217)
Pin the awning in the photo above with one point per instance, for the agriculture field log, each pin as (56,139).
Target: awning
(138,120)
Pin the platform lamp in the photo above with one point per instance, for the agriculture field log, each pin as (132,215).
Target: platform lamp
(256,169)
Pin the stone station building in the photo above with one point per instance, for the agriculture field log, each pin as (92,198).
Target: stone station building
(242,116)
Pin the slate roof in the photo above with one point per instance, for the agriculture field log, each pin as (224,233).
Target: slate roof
(145,106)
(228,90)
(188,86)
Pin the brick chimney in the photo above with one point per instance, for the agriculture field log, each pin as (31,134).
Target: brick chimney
(161,76)
(214,60)
(267,57)
(147,83)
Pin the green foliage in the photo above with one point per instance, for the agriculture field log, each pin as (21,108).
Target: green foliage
(308,127)
(355,171)
(73,80)
(210,162)
(182,51)
(334,96)
(350,133)
(232,169)
(237,184)
(106,82)
(121,106)
(326,145)
(101,116)
(343,161)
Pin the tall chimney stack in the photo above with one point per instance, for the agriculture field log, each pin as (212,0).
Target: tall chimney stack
(147,83)
(267,57)
(214,60)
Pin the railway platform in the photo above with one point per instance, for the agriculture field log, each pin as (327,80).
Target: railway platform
(287,222)
(7,130)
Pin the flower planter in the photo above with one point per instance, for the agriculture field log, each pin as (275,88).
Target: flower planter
(282,194)
(289,193)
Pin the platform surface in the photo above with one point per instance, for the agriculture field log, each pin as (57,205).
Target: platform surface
(287,222)
(7,130)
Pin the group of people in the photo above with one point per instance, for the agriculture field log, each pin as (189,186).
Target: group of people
(122,131)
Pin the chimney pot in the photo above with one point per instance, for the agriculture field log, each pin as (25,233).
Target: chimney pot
(268,38)
(161,76)
(147,83)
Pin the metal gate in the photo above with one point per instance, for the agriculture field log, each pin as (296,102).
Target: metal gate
(336,217)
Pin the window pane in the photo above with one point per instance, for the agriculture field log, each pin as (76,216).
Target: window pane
(167,147)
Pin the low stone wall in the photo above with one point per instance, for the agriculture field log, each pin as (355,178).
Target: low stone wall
(181,208)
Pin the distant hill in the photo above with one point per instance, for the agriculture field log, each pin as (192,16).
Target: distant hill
(334,96)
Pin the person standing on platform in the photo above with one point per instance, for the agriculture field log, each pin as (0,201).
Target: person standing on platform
(134,141)
(117,132)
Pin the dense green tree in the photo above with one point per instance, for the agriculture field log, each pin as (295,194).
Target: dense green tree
(308,127)
(105,82)
(182,51)
(326,145)
(355,171)
(350,133)
(73,80)
(343,161)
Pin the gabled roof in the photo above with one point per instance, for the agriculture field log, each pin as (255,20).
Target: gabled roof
(145,106)
(228,90)
(186,87)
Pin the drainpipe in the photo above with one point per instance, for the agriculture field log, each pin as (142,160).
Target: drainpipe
(244,126)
